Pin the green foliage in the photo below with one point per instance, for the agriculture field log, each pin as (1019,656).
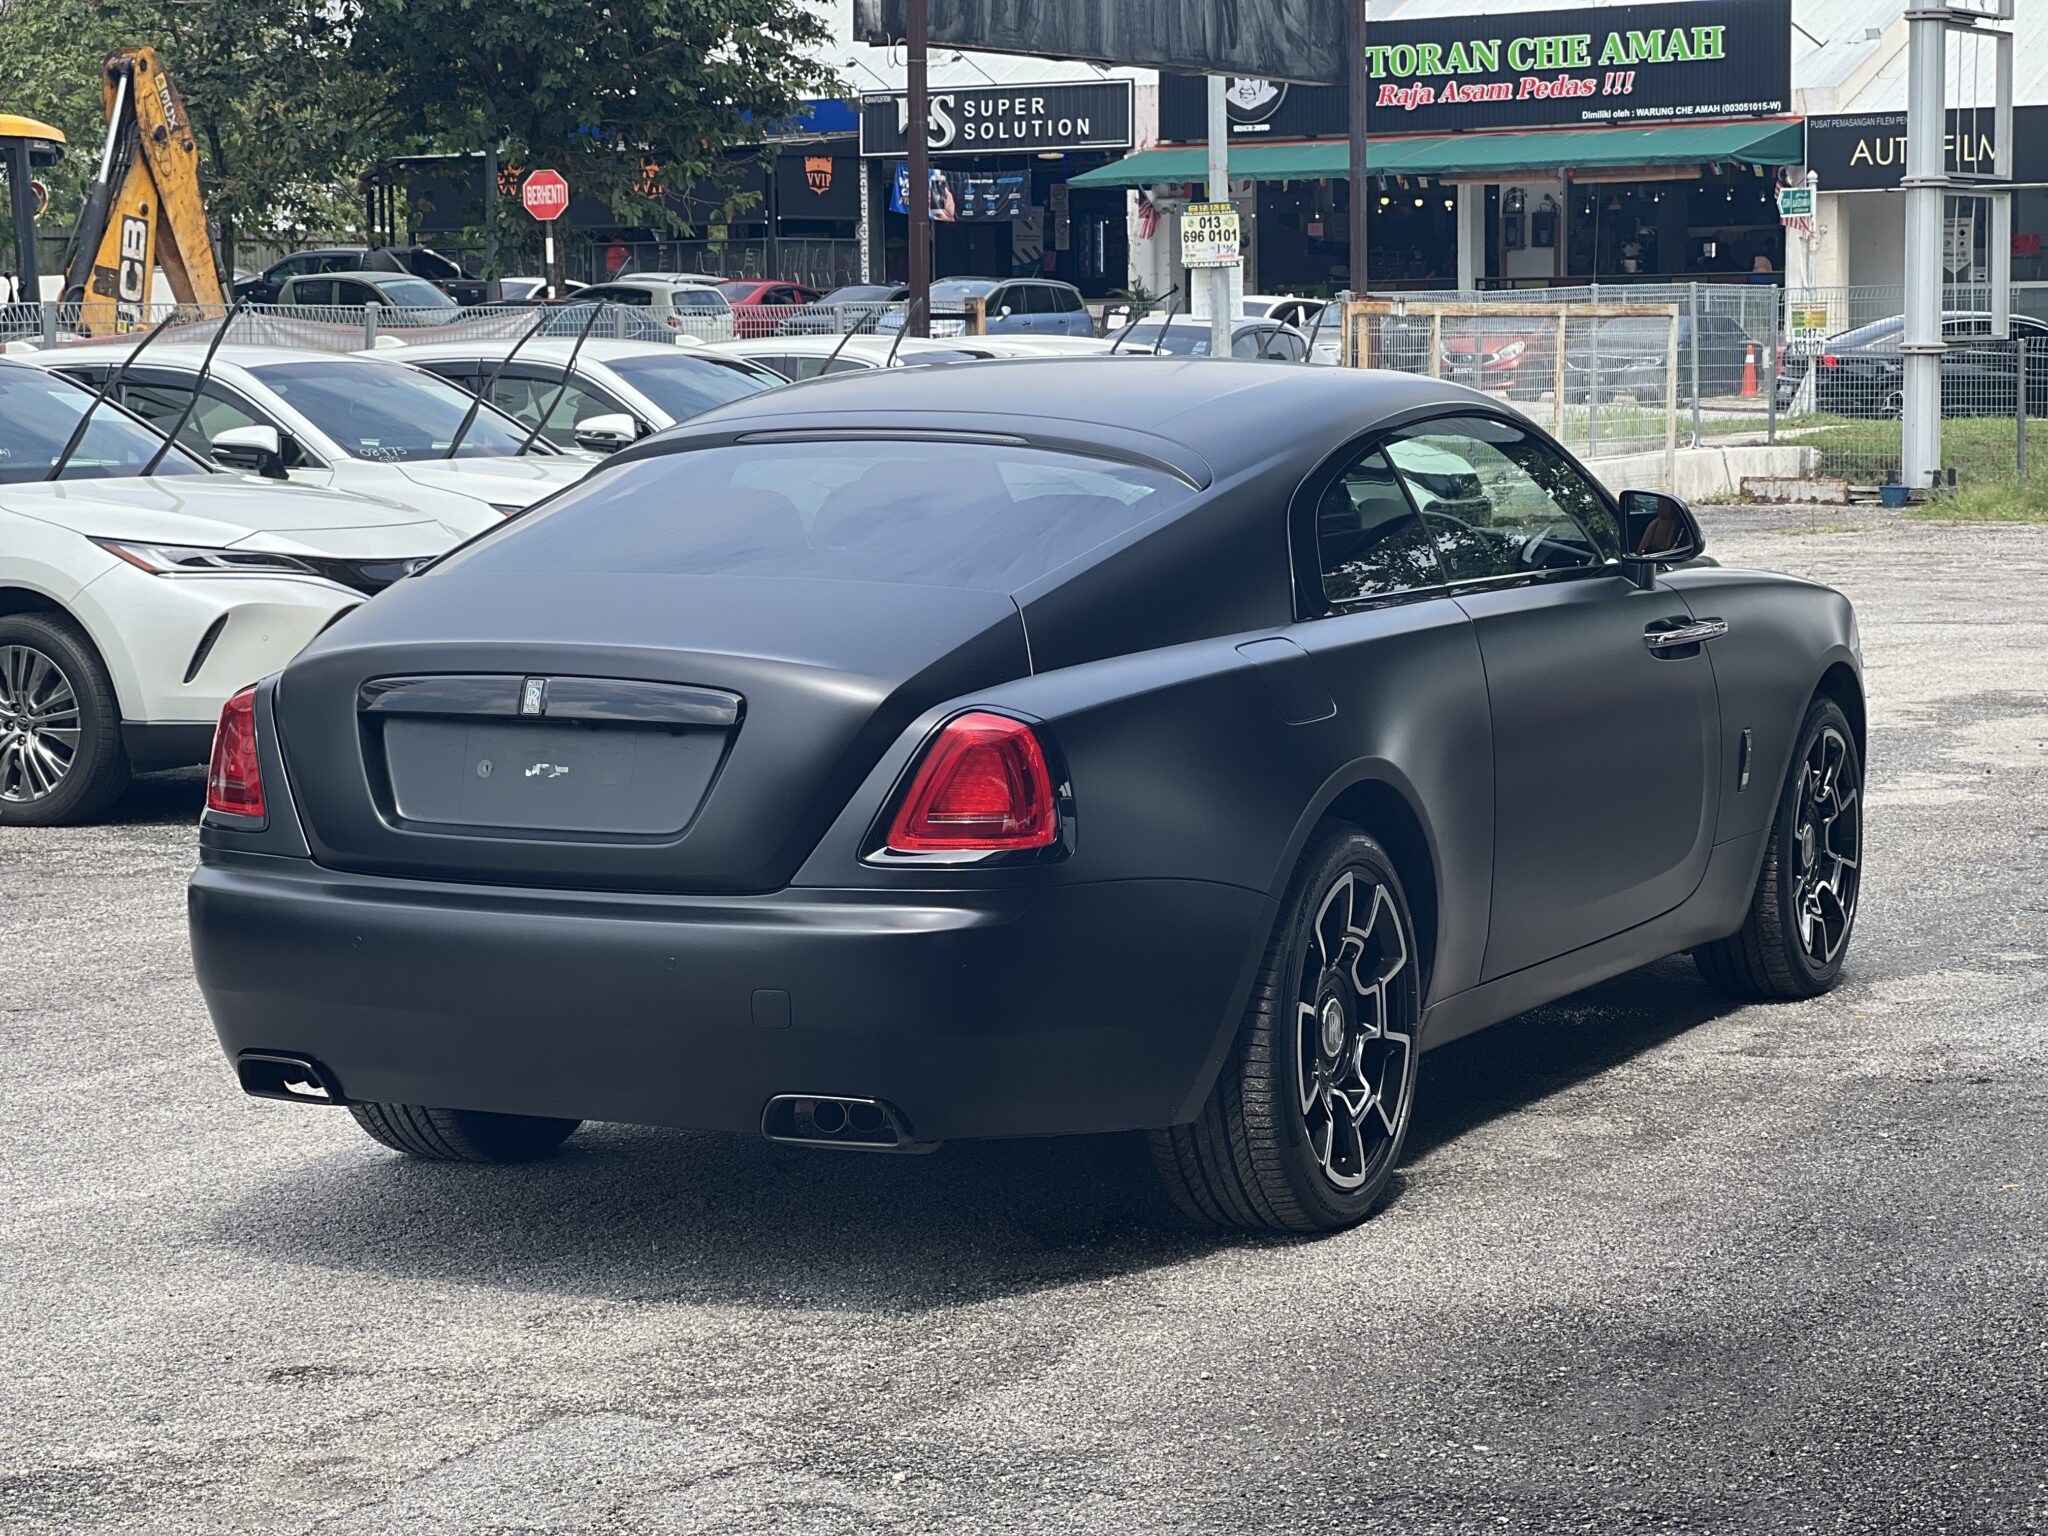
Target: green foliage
(281,122)
(627,100)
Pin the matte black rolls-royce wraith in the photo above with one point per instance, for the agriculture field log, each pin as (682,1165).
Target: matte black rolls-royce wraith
(1023,749)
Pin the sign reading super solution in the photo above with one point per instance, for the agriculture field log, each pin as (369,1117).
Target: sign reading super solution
(995,120)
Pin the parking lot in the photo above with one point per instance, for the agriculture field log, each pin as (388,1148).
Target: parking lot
(1653,1262)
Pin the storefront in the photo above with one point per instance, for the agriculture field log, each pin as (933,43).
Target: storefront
(1614,144)
(1860,223)
(1001,197)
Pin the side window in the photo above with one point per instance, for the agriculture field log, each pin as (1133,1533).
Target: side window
(312,290)
(526,398)
(462,375)
(347,292)
(1290,348)
(1500,503)
(216,412)
(1369,543)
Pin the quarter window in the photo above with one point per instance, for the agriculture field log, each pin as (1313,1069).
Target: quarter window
(523,399)
(1500,503)
(1370,545)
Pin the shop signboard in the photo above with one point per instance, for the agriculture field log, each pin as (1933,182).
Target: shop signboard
(1596,65)
(1282,39)
(1210,235)
(1810,322)
(1000,120)
(1795,202)
(1866,152)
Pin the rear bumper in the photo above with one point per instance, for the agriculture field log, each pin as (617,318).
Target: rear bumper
(1063,1009)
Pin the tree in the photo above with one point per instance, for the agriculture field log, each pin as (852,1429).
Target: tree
(633,100)
(282,124)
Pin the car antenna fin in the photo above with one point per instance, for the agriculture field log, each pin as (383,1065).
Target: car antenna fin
(1137,315)
(100,399)
(476,405)
(568,369)
(1172,314)
(192,400)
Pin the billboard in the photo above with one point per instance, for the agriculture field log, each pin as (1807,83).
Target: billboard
(995,120)
(1866,152)
(1274,39)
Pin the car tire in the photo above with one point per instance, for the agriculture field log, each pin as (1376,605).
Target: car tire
(1298,1135)
(47,661)
(1793,941)
(462,1135)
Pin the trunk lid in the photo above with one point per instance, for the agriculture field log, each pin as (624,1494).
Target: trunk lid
(640,732)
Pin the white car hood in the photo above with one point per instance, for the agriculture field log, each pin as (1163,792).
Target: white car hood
(503,482)
(220,511)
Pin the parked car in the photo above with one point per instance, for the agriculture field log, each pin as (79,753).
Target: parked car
(682,304)
(141,588)
(401,299)
(1030,306)
(760,308)
(1514,356)
(1189,336)
(360,424)
(856,307)
(444,272)
(1861,372)
(809,357)
(1099,745)
(527,290)
(617,393)
(1632,354)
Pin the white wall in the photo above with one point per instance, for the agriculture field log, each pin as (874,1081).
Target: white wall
(1531,261)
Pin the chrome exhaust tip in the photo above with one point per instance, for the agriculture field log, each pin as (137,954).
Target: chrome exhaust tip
(294,1079)
(847,1125)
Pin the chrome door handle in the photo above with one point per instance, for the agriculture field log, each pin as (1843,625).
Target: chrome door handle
(1678,636)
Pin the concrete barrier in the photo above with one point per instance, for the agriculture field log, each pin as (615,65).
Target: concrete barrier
(1705,472)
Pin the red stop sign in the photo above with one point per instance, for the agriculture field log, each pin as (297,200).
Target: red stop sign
(546,195)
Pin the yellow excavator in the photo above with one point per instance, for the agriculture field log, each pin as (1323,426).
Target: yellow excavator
(26,146)
(144,210)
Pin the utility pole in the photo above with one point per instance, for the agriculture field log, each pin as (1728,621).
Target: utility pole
(917,200)
(1221,309)
(1926,185)
(1359,78)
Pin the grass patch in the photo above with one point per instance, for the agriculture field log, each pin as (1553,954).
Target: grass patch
(1983,451)
(1986,504)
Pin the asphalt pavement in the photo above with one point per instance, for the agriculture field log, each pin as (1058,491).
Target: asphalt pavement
(1653,1263)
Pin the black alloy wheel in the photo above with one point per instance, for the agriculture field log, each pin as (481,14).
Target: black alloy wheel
(1804,910)
(1306,1123)
(61,758)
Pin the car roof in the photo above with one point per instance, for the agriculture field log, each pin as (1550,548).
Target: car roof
(1219,414)
(189,354)
(542,349)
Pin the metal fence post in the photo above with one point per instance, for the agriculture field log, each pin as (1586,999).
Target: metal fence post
(1671,406)
(1781,320)
(369,326)
(2020,410)
(1693,300)
(1557,372)
(49,309)
(1593,380)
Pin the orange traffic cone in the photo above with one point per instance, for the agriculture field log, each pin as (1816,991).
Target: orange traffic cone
(1749,373)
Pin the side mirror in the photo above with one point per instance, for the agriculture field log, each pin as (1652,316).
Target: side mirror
(607,434)
(1657,529)
(257,450)
(1004,313)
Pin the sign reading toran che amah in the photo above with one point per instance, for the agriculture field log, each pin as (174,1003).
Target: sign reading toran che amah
(1633,64)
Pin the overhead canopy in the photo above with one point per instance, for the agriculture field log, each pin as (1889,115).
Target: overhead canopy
(1472,154)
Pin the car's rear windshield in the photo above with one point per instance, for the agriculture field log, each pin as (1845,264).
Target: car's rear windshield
(686,386)
(1181,340)
(979,516)
(414,293)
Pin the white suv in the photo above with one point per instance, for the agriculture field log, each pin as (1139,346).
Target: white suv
(133,604)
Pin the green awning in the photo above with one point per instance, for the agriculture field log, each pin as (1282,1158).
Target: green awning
(1473,154)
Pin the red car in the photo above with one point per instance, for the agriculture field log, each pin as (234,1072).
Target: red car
(759,307)
(1516,356)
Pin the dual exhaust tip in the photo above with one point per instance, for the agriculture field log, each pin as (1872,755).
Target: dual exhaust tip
(859,1125)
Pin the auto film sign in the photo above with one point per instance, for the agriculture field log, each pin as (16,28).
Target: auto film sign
(997,120)
(1633,64)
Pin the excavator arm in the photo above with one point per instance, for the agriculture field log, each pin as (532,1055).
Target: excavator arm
(144,210)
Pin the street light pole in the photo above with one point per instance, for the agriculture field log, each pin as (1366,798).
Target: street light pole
(917,200)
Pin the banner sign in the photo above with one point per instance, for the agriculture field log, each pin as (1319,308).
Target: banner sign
(1283,39)
(1866,152)
(968,197)
(1632,64)
(1211,235)
(997,120)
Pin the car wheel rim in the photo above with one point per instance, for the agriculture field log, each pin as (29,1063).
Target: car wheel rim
(39,725)
(1827,848)
(1354,1044)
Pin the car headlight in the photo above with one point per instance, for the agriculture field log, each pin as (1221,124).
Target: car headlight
(1510,352)
(194,560)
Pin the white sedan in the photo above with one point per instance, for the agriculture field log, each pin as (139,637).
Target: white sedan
(807,357)
(617,391)
(360,424)
(133,605)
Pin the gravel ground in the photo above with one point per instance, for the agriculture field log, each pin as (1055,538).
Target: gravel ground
(1653,1263)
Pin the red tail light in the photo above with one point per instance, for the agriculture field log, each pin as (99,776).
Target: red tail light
(983,787)
(234,780)
(1829,360)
